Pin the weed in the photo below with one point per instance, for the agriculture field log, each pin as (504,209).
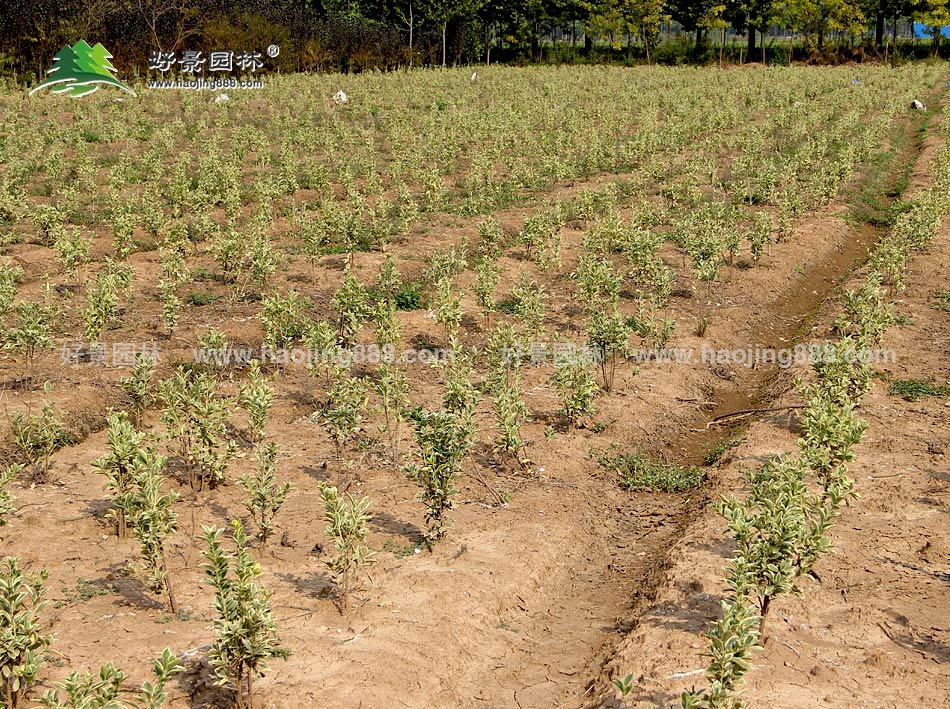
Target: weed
(200,299)
(914,389)
(637,469)
(721,448)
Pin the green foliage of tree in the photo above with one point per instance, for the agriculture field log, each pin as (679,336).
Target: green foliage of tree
(22,642)
(267,496)
(347,519)
(246,638)
(443,439)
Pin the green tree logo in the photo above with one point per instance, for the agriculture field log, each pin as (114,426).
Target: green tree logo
(78,71)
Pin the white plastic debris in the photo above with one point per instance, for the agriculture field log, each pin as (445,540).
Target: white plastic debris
(221,98)
(474,76)
(917,105)
(340,98)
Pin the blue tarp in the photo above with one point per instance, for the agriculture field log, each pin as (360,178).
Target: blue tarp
(921,30)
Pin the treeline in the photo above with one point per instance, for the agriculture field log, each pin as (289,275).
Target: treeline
(357,35)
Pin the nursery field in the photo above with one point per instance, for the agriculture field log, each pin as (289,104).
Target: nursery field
(542,387)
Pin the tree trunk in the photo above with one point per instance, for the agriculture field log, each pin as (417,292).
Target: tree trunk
(445,25)
(751,48)
(588,42)
(764,32)
(411,27)
(722,45)
(879,30)
(699,36)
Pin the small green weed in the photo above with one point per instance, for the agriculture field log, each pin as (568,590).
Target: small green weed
(200,299)
(83,591)
(637,469)
(914,389)
(410,296)
(713,456)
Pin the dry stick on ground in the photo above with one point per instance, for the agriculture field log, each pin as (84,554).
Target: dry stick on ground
(745,412)
(478,476)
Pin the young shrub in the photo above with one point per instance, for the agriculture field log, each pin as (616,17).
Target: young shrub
(607,337)
(152,519)
(120,463)
(759,234)
(540,235)
(283,320)
(72,250)
(598,281)
(732,639)
(245,630)
(346,519)
(504,352)
(212,346)
(196,417)
(10,275)
(137,386)
(487,275)
(266,495)
(654,332)
(460,395)
(491,240)
(31,332)
(6,497)
(83,691)
(264,259)
(830,430)
(171,303)
(388,281)
(844,372)
(393,392)
(21,642)
(102,304)
(779,530)
(257,397)
(867,313)
(351,303)
(122,220)
(510,414)
(320,341)
(576,387)
(448,306)
(444,439)
(345,410)
(38,437)
(387,327)
(529,305)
